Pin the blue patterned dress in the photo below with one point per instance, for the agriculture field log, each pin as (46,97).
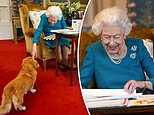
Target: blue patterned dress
(114,76)
(45,27)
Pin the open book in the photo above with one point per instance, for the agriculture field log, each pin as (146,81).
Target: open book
(108,97)
(92,95)
(143,100)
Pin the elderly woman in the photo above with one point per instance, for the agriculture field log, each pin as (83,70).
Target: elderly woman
(115,61)
(53,19)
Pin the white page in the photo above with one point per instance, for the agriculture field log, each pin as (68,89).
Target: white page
(92,95)
(66,31)
(104,92)
(114,97)
(59,30)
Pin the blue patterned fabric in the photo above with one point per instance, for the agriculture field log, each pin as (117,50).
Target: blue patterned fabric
(144,13)
(46,28)
(114,76)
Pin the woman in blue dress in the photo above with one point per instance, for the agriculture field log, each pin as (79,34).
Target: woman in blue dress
(53,19)
(115,61)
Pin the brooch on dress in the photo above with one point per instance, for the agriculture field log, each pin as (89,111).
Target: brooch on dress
(134,48)
(133,55)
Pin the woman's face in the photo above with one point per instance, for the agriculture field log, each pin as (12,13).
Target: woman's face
(112,39)
(52,20)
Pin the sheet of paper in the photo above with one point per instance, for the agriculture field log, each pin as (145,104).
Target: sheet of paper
(104,92)
(114,97)
(107,103)
(66,31)
(60,30)
(93,95)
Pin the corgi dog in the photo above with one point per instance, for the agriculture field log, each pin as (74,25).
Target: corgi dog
(14,91)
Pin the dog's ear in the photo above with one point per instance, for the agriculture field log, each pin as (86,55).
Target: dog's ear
(27,60)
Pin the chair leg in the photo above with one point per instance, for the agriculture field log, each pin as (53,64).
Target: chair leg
(44,66)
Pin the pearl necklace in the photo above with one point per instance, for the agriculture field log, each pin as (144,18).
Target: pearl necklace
(115,61)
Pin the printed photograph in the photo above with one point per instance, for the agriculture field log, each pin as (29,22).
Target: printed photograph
(116,67)
(38,57)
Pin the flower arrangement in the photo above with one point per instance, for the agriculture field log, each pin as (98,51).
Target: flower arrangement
(70,9)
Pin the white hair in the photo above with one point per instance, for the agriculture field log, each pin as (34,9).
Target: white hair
(55,11)
(111,16)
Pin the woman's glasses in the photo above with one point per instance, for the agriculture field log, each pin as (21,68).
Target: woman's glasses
(116,37)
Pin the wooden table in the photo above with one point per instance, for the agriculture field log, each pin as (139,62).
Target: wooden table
(15,23)
(137,104)
(142,110)
(73,38)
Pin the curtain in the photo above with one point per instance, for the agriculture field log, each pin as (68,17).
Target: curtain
(96,6)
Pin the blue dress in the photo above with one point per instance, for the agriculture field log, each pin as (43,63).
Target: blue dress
(109,75)
(46,28)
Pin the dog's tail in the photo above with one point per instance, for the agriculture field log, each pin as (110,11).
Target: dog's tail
(5,106)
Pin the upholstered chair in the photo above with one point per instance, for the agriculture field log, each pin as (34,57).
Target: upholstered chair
(44,52)
(143,33)
(86,38)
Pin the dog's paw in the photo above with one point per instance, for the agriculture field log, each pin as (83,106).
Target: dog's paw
(22,108)
(32,90)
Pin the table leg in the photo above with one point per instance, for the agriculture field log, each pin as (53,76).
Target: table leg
(57,56)
(72,53)
(71,67)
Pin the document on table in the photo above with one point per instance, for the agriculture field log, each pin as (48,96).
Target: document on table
(95,95)
(66,31)
(144,100)
(96,98)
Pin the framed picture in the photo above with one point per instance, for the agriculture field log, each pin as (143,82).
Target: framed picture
(28,1)
(141,13)
(17,2)
(57,2)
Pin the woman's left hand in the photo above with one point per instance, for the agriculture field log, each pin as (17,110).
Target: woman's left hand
(131,85)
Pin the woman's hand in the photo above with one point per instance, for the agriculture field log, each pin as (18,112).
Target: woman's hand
(34,51)
(131,85)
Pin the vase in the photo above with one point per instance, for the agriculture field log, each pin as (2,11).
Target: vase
(69,20)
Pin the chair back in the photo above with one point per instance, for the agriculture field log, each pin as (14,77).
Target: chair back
(24,14)
(28,30)
(86,38)
(143,33)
